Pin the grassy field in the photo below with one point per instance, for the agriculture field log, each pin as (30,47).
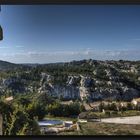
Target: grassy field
(100,128)
(90,114)
(110,114)
(97,128)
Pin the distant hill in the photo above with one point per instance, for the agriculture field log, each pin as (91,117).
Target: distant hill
(4,65)
(7,65)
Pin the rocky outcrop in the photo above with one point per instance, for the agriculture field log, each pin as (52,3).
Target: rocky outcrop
(69,91)
(83,87)
(76,87)
(13,84)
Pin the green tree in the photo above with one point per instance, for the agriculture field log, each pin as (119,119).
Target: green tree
(36,110)
(113,106)
(129,106)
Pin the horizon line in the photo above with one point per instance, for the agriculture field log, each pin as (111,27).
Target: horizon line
(35,63)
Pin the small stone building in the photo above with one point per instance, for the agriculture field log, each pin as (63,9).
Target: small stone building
(136,102)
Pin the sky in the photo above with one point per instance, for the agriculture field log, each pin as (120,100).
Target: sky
(62,33)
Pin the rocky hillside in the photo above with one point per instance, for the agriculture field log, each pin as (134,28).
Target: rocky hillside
(84,80)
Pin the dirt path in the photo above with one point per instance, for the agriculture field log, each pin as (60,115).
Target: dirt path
(123,120)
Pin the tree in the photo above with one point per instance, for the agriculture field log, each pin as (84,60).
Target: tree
(113,107)
(58,109)
(18,122)
(24,101)
(36,110)
(23,130)
(129,106)
(101,106)
(82,108)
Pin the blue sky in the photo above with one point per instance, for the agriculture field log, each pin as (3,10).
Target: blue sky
(60,33)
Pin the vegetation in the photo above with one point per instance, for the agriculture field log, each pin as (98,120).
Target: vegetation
(60,110)
(96,128)
(23,82)
(108,114)
(21,115)
(17,120)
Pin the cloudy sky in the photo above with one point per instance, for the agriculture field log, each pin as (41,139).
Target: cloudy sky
(60,33)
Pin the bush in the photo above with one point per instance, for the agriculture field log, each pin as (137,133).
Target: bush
(82,108)
(101,106)
(92,115)
(36,110)
(124,108)
(108,113)
(137,107)
(60,110)
(113,107)
(114,113)
(129,106)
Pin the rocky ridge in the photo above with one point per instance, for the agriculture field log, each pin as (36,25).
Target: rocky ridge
(82,80)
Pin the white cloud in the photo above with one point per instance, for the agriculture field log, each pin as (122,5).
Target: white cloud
(2,47)
(7,47)
(19,46)
(63,56)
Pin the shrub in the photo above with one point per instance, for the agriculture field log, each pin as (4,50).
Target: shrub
(60,110)
(108,113)
(101,106)
(113,107)
(114,113)
(124,108)
(129,106)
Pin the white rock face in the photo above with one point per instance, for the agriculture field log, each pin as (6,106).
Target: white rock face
(83,92)
(73,80)
(81,87)
(69,92)
(8,81)
(108,73)
(77,87)
(45,78)
(109,83)
(86,81)
(134,70)
(96,95)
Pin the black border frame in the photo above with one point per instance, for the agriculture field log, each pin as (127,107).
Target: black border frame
(71,2)
(78,2)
